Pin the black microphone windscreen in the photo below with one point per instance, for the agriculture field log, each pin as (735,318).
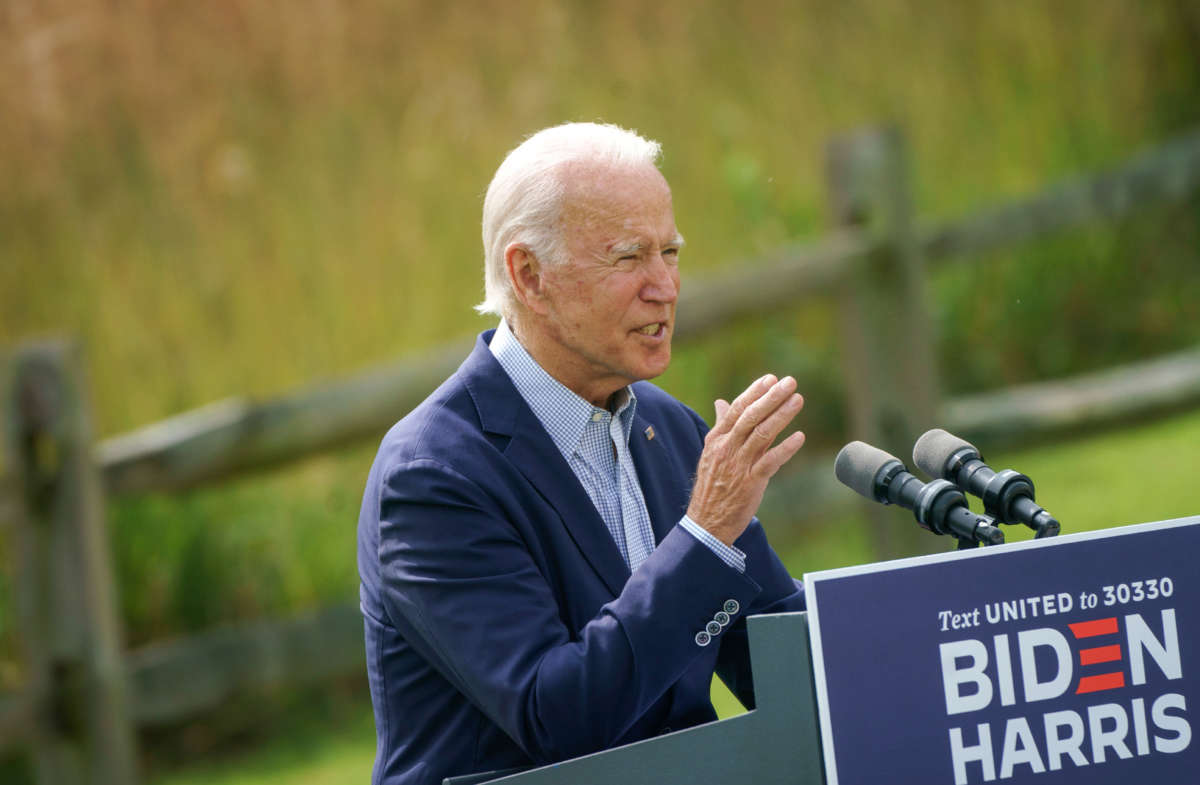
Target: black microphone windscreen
(857,465)
(933,450)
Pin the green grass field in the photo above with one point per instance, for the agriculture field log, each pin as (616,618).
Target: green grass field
(1144,473)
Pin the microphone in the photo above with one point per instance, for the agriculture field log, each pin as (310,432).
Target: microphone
(938,506)
(1007,495)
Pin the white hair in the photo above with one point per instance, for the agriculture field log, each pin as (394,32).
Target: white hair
(525,198)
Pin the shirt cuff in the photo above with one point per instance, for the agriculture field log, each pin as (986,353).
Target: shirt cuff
(726,553)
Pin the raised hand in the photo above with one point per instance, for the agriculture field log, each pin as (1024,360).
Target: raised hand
(738,459)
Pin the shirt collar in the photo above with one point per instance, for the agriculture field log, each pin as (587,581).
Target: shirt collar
(563,414)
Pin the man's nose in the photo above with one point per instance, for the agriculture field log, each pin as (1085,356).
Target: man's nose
(662,280)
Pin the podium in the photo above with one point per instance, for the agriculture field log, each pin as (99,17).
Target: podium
(1059,661)
(1070,660)
(776,743)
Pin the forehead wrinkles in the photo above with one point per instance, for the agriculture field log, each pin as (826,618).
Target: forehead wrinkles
(608,198)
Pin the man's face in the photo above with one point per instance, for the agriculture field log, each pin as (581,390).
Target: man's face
(611,303)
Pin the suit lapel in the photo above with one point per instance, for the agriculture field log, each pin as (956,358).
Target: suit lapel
(532,451)
(658,474)
(503,411)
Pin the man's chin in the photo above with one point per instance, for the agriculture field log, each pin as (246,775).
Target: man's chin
(655,366)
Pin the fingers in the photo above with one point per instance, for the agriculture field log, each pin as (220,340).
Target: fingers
(733,412)
(765,432)
(750,425)
(777,456)
(758,421)
(738,460)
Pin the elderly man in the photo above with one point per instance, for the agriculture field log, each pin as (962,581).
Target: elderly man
(555,555)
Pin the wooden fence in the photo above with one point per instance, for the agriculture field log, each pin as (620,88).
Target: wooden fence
(83,697)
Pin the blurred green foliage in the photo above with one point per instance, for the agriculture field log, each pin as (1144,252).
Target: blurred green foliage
(238,197)
(1078,301)
(264,545)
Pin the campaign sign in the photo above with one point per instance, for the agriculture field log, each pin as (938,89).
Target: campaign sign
(1071,659)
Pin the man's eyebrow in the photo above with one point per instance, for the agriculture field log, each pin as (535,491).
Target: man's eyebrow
(635,247)
(626,248)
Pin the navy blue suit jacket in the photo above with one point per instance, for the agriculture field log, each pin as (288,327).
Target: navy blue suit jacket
(502,626)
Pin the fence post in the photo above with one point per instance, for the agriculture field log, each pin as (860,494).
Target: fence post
(891,377)
(65,594)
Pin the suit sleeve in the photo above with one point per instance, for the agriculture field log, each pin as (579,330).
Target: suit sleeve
(780,594)
(463,586)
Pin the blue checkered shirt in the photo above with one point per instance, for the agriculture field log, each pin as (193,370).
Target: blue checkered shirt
(595,444)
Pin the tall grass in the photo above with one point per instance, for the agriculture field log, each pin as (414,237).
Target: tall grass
(242,196)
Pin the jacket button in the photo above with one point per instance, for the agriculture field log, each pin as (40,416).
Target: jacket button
(731,607)
(721,618)
(702,638)
(713,628)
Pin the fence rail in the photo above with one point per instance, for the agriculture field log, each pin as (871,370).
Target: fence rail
(1036,411)
(173,681)
(1020,415)
(178,679)
(1170,173)
(169,681)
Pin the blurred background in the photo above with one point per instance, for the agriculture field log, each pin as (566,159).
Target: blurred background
(250,197)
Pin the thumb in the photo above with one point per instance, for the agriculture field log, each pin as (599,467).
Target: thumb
(722,406)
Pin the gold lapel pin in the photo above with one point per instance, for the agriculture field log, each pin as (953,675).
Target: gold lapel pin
(649,432)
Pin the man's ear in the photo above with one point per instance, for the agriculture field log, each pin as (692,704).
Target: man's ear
(525,274)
